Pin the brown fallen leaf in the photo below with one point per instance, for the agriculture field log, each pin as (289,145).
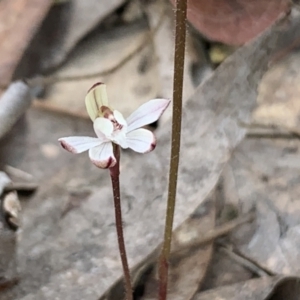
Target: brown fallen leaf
(268,168)
(65,25)
(130,82)
(19,20)
(9,208)
(4,181)
(145,269)
(266,176)
(187,271)
(234,22)
(267,288)
(13,103)
(223,270)
(279,95)
(286,288)
(112,65)
(76,257)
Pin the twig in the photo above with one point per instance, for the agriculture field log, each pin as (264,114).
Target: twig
(257,130)
(4,181)
(212,235)
(180,35)
(244,262)
(13,103)
(17,173)
(21,186)
(247,262)
(272,135)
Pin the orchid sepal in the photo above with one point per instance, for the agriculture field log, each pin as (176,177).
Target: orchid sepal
(95,99)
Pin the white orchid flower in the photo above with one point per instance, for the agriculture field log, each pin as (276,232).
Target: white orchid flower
(111,127)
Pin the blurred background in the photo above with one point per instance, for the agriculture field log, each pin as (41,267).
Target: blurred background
(237,233)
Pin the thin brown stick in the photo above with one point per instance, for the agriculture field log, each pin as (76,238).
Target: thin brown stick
(114,173)
(180,35)
(244,262)
(13,103)
(21,186)
(17,173)
(268,271)
(272,131)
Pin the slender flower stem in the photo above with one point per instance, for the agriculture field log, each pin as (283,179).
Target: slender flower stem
(180,33)
(114,173)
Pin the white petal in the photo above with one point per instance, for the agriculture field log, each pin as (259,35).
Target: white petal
(95,99)
(141,140)
(103,128)
(78,144)
(119,138)
(102,156)
(147,113)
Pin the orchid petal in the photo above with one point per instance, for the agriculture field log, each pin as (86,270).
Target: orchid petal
(141,140)
(102,156)
(78,144)
(147,113)
(95,99)
(120,139)
(103,128)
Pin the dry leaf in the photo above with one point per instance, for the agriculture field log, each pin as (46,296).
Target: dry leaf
(130,83)
(267,288)
(279,97)
(83,16)
(19,20)
(187,270)
(266,176)
(8,235)
(13,103)
(76,257)
(61,31)
(234,22)
(4,181)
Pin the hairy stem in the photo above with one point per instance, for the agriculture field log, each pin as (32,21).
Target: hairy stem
(114,173)
(180,33)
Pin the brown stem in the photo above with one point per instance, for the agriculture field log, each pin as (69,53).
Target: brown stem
(114,173)
(180,33)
